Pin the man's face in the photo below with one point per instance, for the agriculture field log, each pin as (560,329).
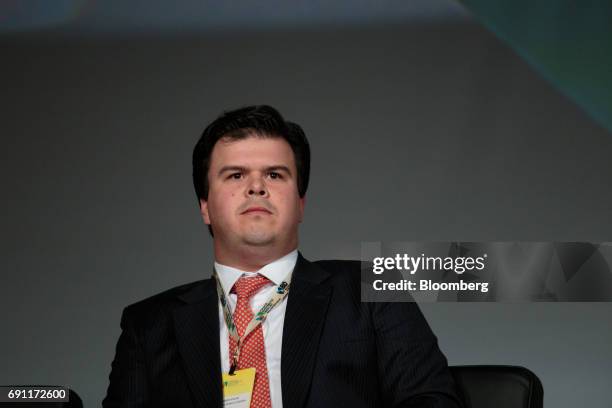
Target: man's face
(253,195)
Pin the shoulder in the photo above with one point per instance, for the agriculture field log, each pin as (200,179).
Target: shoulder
(339,266)
(161,304)
(341,271)
(344,277)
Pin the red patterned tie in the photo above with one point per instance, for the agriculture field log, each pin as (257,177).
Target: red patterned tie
(253,353)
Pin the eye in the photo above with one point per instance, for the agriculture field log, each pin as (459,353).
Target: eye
(235,176)
(274,175)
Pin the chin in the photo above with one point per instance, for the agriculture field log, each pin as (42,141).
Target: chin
(258,238)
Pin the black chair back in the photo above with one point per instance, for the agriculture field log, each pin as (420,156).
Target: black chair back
(491,386)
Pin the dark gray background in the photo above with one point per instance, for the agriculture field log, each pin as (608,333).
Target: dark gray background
(419,132)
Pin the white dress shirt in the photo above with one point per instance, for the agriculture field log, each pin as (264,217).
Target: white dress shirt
(272,327)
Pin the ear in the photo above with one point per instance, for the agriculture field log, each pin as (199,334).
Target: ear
(302,204)
(204,211)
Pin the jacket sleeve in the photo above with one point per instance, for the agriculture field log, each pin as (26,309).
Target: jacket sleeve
(128,386)
(412,370)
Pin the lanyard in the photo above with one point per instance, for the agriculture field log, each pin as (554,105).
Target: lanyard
(279,294)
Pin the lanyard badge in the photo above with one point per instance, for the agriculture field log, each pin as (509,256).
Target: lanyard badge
(279,294)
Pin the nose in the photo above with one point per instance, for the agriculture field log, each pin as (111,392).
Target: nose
(257,188)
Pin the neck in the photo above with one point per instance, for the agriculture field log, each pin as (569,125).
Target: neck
(250,258)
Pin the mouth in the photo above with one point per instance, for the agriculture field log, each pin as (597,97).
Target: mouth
(257,210)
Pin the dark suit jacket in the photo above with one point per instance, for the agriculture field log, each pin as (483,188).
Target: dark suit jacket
(337,351)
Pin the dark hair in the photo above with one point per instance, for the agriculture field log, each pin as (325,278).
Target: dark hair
(259,120)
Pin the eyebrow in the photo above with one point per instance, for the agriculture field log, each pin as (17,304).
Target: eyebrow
(279,168)
(243,169)
(225,169)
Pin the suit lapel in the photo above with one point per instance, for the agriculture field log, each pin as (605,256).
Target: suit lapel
(304,320)
(197,335)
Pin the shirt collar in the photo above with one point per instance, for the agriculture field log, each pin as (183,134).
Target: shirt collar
(276,271)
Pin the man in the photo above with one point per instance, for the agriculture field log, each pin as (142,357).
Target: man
(314,344)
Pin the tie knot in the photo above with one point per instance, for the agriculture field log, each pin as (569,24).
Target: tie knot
(247,286)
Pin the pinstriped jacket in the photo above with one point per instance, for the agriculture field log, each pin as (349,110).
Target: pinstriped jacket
(336,350)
